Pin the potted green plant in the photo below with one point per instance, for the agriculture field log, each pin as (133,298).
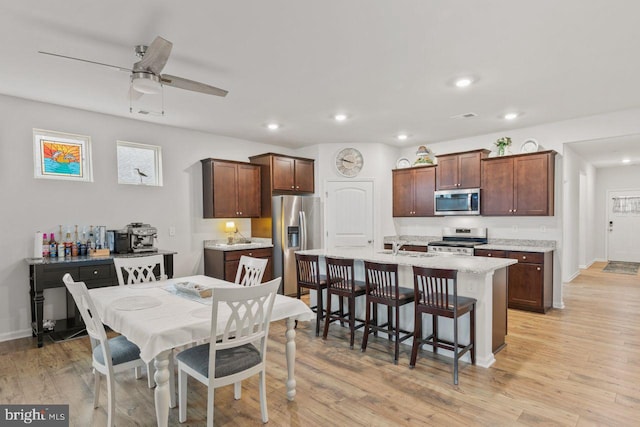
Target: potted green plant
(502,144)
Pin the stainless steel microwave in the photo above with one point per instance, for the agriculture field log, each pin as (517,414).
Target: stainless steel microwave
(457,202)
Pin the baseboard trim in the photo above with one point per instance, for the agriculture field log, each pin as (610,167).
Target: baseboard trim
(573,276)
(8,336)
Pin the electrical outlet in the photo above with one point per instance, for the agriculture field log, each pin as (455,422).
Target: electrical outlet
(172,231)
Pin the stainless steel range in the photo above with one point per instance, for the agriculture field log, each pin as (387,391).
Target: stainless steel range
(459,241)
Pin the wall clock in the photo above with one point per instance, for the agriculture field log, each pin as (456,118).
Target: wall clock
(349,162)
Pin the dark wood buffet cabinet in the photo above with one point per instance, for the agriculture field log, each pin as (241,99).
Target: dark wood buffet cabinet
(94,272)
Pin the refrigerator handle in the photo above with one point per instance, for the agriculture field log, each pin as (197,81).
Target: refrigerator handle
(303,230)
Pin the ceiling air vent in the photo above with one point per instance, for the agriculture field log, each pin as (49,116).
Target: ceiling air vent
(464,116)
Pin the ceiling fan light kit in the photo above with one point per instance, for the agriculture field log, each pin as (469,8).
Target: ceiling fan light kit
(146,83)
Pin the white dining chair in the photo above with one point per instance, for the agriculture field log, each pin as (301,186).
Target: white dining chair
(139,269)
(250,270)
(236,351)
(110,356)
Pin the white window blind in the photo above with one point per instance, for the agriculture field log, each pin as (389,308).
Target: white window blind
(629,205)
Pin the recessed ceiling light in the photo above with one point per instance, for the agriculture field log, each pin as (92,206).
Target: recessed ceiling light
(273,126)
(340,117)
(626,160)
(463,82)
(510,116)
(402,136)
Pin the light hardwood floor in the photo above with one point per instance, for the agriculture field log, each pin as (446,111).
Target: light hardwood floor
(579,366)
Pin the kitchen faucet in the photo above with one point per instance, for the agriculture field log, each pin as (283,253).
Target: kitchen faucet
(395,247)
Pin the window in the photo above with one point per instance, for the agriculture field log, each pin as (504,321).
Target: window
(139,164)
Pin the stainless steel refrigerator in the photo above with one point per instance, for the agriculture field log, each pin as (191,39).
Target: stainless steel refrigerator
(297,225)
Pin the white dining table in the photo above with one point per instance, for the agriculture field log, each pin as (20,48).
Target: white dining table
(158,318)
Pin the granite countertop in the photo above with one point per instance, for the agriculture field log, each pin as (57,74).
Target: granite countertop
(536,247)
(412,240)
(520,245)
(81,259)
(462,263)
(222,245)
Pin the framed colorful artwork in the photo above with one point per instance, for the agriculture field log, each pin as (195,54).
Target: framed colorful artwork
(139,164)
(60,155)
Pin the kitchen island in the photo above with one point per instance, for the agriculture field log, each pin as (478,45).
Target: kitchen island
(484,279)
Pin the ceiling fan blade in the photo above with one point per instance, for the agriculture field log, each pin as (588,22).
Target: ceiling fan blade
(86,60)
(155,57)
(187,84)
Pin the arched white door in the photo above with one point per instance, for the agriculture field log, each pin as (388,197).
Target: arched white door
(349,207)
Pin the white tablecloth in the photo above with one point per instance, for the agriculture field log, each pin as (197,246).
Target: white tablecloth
(171,320)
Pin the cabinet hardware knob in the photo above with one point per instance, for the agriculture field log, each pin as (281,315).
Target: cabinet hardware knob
(488,254)
(514,211)
(524,257)
(293,186)
(250,253)
(538,268)
(297,186)
(95,272)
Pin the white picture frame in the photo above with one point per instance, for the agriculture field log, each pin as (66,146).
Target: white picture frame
(139,164)
(61,155)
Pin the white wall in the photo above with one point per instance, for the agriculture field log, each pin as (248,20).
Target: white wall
(579,189)
(30,204)
(616,178)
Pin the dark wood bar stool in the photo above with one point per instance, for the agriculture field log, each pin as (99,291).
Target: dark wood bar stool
(382,288)
(436,293)
(308,275)
(340,282)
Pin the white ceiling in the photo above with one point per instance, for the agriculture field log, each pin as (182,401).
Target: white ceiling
(388,64)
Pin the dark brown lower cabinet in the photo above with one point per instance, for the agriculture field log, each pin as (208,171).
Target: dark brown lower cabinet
(530,281)
(224,264)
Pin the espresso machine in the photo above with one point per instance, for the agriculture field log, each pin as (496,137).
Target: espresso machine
(140,237)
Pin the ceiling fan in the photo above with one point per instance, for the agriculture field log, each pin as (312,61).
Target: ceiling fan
(145,74)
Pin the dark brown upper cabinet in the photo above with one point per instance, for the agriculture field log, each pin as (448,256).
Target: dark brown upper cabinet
(460,170)
(521,185)
(230,189)
(413,191)
(283,175)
